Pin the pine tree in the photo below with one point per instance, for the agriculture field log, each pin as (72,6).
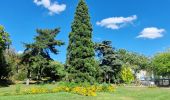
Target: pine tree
(37,55)
(80,52)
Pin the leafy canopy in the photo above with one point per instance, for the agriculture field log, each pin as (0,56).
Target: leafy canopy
(37,55)
(4,44)
(161,63)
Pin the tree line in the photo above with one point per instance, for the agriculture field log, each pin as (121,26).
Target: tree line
(86,61)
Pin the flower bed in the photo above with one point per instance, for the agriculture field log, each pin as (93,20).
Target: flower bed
(81,90)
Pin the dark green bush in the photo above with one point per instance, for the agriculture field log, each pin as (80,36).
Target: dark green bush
(20,76)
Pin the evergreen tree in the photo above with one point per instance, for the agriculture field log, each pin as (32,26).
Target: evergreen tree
(4,44)
(80,52)
(36,55)
(109,61)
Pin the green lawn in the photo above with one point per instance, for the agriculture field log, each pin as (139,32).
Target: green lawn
(122,93)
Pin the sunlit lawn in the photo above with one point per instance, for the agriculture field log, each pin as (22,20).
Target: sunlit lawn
(122,93)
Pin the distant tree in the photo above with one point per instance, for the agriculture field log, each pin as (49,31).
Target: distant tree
(36,55)
(80,62)
(109,62)
(4,44)
(13,59)
(136,61)
(161,64)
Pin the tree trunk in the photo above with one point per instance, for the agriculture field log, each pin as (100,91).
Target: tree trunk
(105,79)
(109,80)
(17,69)
(169,80)
(39,75)
(28,81)
(28,77)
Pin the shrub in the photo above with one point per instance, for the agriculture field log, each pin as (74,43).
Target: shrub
(55,71)
(127,75)
(20,76)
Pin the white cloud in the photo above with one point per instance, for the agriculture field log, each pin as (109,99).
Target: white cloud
(116,22)
(151,33)
(54,8)
(20,52)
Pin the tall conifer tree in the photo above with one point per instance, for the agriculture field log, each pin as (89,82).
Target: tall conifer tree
(80,52)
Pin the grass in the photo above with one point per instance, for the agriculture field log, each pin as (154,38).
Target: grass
(122,93)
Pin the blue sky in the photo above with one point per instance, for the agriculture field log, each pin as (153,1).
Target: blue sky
(137,25)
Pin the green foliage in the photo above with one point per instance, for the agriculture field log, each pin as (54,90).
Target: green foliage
(4,44)
(126,74)
(55,70)
(68,84)
(80,62)
(20,76)
(36,55)
(161,63)
(136,61)
(13,59)
(4,39)
(109,62)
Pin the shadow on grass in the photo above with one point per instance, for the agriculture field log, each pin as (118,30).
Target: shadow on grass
(39,82)
(5,83)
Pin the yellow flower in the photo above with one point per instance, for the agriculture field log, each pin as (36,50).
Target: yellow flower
(86,91)
(111,89)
